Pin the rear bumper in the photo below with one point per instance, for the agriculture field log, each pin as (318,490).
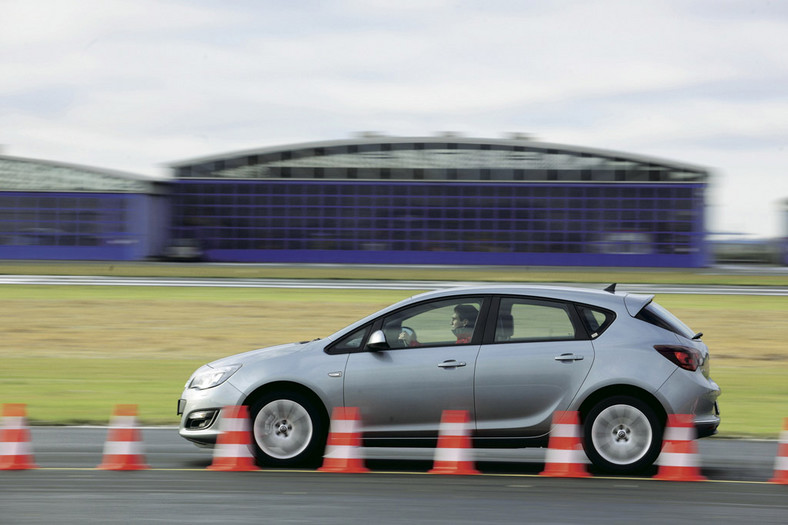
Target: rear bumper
(706,426)
(692,393)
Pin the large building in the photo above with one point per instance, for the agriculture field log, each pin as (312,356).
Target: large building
(784,243)
(441,200)
(372,199)
(50,210)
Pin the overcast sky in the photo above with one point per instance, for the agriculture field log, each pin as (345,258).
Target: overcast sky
(133,85)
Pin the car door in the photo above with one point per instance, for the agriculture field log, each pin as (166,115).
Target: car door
(534,365)
(403,389)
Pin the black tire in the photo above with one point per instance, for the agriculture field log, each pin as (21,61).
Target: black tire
(622,435)
(289,430)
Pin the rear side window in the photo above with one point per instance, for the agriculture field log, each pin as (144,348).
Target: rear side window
(659,316)
(595,320)
(533,320)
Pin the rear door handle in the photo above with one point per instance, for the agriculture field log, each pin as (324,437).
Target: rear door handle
(451,364)
(568,357)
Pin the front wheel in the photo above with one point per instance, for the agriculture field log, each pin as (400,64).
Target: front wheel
(289,430)
(622,435)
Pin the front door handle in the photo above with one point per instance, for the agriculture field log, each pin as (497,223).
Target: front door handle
(568,357)
(451,364)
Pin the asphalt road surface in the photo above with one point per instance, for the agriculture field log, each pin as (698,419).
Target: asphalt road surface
(68,489)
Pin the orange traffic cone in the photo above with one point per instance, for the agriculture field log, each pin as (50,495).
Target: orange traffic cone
(15,448)
(679,458)
(232,451)
(781,463)
(565,456)
(455,451)
(344,442)
(123,448)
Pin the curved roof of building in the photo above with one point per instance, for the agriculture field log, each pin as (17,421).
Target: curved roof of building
(367,154)
(19,174)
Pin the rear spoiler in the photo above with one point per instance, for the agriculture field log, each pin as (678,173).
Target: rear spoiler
(636,302)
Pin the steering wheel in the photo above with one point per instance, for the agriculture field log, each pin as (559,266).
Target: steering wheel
(410,335)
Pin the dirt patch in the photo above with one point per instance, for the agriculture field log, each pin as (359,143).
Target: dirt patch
(172,329)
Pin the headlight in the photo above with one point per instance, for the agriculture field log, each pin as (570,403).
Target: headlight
(212,377)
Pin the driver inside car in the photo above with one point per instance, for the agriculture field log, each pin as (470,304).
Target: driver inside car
(407,337)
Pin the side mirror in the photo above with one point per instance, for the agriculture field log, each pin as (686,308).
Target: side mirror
(377,341)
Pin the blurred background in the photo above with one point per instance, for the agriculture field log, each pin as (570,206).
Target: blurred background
(573,133)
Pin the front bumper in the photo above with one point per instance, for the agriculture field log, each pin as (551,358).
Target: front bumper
(200,412)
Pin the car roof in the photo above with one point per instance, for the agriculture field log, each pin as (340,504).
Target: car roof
(564,292)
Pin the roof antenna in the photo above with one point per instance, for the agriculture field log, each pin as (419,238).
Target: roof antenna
(611,288)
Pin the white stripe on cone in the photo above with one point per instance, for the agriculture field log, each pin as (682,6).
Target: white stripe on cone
(679,434)
(14,423)
(234,424)
(674,459)
(15,448)
(343,426)
(565,430)
(557,455)
(452,454)
(122,448)
(453,429)
(124,422)
(232,450)
(342,452)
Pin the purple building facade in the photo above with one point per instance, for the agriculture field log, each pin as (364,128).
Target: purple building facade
(55,211)
(441,200)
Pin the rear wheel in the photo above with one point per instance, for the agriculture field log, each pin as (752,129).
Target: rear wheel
(289,430)
(622,435)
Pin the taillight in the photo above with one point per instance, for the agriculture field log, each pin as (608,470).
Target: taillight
(684,357)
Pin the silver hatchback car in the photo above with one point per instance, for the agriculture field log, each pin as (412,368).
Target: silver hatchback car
(509,355)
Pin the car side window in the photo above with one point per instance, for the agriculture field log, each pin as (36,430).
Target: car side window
(596,321)
(445,322)
(522,319)
(351,342)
